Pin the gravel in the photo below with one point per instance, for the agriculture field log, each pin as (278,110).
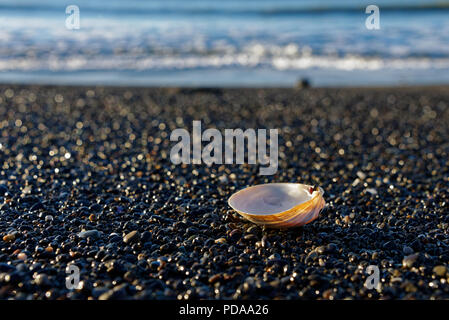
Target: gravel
(86,180)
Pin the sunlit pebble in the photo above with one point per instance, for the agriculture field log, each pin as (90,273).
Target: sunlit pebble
(128,95)
(9,93)
(26,190)
(374,113)
(179,121)
(31,97)
(59,98)
(67,155)
(22,256)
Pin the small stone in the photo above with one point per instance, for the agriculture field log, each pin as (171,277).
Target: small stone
(250,237)
(146,236)
(220,240)
(327,294)
(235,234)
(141,256)
(321,262)
(38,205)
(331,247)
(253,230)
(408,261)
(131,237)
(274,257)
(92,217)
(389,245)
(361,175)
(48,218)
(89,234)
(3,189)
(154,265)
(311,256)
(321,249)
(371,191)
(129,276)
(264,242)
(407,250)
(215,278)
(4,267)
(440,270)
(117,293)
(22,256)
(9,237)
(303,83)
(42,280)
(410,287)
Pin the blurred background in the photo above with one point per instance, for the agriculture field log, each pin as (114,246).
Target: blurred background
(270,43)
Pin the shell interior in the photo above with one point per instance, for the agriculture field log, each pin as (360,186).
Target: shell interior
(268,199)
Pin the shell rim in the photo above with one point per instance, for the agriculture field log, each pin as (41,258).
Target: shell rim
(320,193)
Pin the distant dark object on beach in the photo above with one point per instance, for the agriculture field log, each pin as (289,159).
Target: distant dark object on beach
(201,90)
(303,83)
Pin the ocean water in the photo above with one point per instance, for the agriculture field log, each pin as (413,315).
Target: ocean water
(224,43)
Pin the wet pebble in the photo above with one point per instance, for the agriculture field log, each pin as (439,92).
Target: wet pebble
(440,271)
(410,260)
(89,234)
(131,237)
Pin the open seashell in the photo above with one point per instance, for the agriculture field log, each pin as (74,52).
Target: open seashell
(279,205)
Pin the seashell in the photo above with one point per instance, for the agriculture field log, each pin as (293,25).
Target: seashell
(279,205)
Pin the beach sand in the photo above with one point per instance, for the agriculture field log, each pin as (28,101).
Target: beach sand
(98,159)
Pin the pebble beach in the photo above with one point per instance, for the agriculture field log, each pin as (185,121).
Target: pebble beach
(86,180)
